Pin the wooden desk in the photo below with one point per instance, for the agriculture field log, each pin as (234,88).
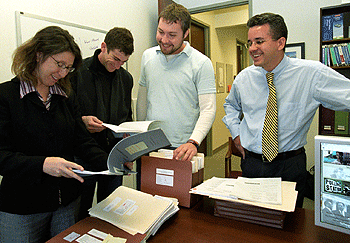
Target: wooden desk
(200,225)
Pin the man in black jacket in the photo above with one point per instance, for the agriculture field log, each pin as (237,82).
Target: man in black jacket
(103,88)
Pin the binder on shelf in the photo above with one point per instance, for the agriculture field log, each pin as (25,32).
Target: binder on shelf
(170,178)
(326,121)
(341,122)
(338,26)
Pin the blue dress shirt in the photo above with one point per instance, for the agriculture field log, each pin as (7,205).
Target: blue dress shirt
(301,86)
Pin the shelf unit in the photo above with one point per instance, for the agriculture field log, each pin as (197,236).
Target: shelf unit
(335,122)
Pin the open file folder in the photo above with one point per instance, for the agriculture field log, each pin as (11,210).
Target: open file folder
(134,211)
(133,147)
(129,149)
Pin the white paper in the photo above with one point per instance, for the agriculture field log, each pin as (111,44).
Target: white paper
(265,190)
(98,234)
(88,239)
(216,187)
(87,172)
(71,237)
(130,127)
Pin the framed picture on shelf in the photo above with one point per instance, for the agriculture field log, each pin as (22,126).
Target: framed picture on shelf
(296,50)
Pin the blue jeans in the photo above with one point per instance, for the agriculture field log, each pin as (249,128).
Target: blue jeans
(38,227)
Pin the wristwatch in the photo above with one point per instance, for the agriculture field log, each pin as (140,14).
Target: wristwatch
(193,142)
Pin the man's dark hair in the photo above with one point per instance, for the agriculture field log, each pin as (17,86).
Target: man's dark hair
(120,39)
(276,22)
(174,13)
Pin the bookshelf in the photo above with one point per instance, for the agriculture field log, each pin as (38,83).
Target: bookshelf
(335,52)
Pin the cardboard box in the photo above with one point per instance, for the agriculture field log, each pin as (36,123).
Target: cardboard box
(170,178)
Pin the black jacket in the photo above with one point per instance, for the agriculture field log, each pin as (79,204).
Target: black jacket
(28,134)
(89,83)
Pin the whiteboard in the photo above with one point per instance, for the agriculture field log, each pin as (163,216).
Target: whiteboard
(89,39)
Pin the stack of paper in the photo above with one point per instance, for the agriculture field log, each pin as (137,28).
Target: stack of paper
(134,211)
(263,192)
(263,201)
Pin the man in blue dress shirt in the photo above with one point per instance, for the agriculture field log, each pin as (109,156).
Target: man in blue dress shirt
(301,86)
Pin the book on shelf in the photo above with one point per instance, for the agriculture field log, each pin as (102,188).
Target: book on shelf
(346,53)
(134,211)
(341,55)
(327,28)
(334,59)
(336,54)
(338,26)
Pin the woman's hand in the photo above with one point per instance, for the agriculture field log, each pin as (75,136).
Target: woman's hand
(58,167)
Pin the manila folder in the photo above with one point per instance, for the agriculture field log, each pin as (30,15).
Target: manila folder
(131,210)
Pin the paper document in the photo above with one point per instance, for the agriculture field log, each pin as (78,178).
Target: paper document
(255,191)
(88,173)
(134,211)
(216,187)
(132,127)
(264,190)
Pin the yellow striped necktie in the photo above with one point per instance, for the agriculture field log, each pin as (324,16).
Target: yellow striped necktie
(270,129)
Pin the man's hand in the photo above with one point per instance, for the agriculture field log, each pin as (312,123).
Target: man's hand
(93,124)
(237,142)
(129,165)
(58,167)
(185,152)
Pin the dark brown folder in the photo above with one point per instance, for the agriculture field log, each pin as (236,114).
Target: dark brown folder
(183,179)
(249,213)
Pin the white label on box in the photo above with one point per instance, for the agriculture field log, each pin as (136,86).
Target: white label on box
(164,172)
(164,180)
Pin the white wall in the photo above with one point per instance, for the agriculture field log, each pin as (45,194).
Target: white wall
(139,16)
(194,4)
(224,27)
